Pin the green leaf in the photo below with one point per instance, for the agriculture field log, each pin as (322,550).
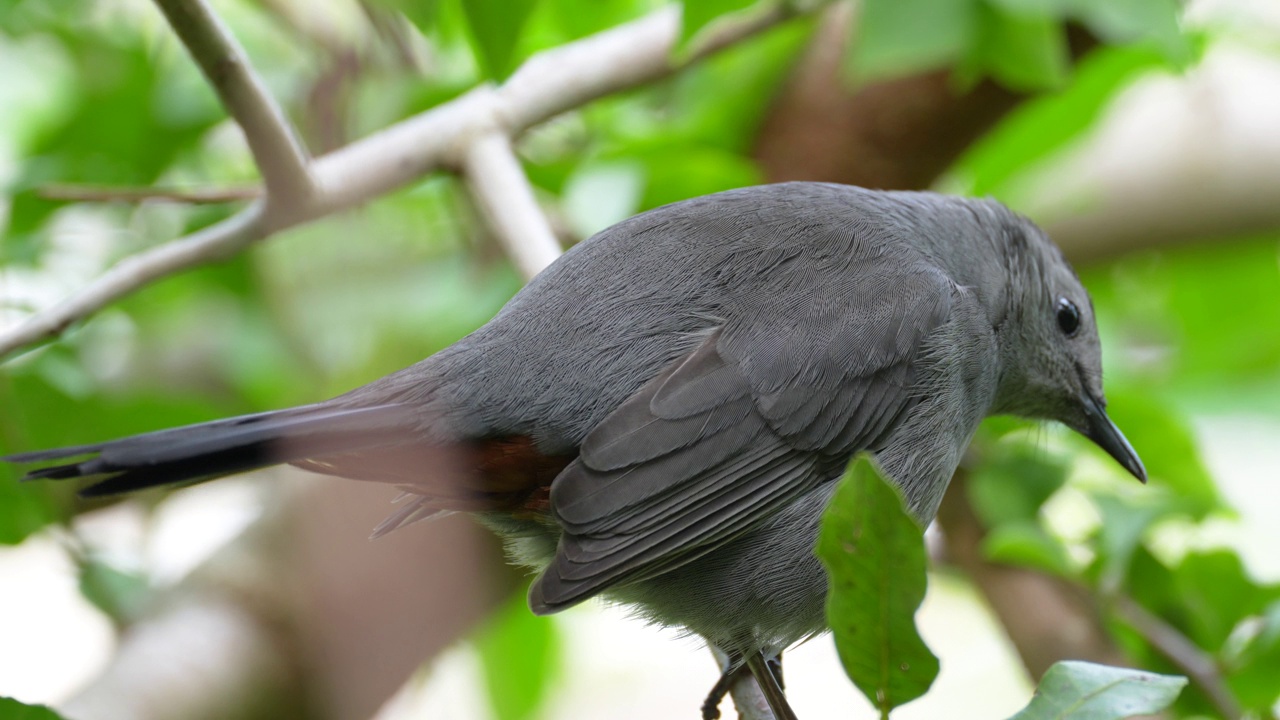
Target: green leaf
(1042,126)
(874,555)
(1023,52)
(1187,303)
(684,171)
(578,19)
(1252,672)
(1167,447)
(24,507)
(1120,21)
(697,14)
(1014,479)
(422,13)
(1119,535)
(11,709)
(1025,543)
(901,37)
(723,100)
(1074,690)
(495,27)
(520,653)
(117,593)
(1216,593)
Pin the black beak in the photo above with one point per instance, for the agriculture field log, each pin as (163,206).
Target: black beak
(1107,436)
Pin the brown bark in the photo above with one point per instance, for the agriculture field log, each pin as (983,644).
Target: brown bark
(897,134)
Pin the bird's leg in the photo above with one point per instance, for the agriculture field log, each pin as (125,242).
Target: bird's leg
(775,664)
(732,669)
(771,686)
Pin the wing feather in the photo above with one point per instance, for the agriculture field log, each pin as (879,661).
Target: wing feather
(757,415)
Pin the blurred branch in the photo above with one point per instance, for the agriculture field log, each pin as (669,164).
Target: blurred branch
(107,193)
(213,243)
(1184,654)
(505,195)
(275,146)
(300,616)
(550,83)
(157,673)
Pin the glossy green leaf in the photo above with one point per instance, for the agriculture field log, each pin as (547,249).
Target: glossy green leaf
(495,27)
(697,14)
(901,37)
(520,653)
(1083,691)
(874,554)
(11,709)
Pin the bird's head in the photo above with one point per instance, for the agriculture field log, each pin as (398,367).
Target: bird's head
(1051,356)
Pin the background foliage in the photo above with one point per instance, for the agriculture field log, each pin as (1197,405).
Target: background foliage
(106,97)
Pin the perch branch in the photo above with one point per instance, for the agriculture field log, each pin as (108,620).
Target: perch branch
(548,84)
(275,146)
(107,193)
(212,243)
(1179,650)
(500,188)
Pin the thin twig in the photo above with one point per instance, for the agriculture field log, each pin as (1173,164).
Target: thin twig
(550,83)
(504,194)
(213,243)
(1179,650)
(273,142)
(108,193)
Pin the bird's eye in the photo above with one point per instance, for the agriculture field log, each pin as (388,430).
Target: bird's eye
(1068,317)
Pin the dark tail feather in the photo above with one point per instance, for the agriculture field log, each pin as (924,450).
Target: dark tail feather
(194,453)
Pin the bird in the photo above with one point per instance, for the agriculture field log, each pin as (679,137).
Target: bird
(660,416)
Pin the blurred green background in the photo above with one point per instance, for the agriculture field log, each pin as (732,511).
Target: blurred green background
(1141,134)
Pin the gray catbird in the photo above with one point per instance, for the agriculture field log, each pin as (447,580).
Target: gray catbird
(658,417)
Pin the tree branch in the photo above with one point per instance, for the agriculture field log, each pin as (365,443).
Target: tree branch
(275,146)
(550,83)
(215,242)
(500,188)
(747,696)
(108,193)
(1183,653)
(151,676)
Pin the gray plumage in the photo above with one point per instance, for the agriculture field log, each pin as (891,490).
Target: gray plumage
(705,371)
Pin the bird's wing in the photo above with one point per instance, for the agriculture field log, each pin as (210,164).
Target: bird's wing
(757,415)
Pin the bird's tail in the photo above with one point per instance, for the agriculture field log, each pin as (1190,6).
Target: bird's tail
(205,451)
